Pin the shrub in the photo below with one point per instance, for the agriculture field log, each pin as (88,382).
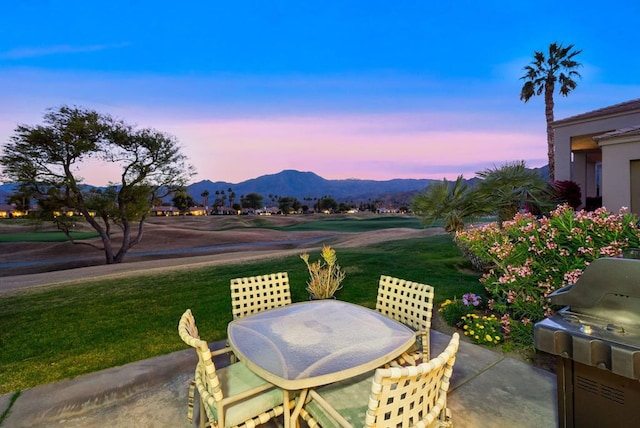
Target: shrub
(452,311)
(528,258)
(484,330)
(521,333)
(325,276)
(567,191)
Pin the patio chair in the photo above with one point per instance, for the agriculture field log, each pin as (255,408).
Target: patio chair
(410,303)
(258,293)
(230,396)
(396,397)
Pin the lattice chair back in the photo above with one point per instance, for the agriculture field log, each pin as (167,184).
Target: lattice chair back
(413,396)
(254,294)
(405,396)
(410,303)
(230,396)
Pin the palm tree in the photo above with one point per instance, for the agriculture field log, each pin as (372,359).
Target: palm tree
(205,199)
(452,203)
(510,188)
(232,197)
(542,75)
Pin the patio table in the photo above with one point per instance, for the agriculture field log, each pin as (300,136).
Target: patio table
(305,345)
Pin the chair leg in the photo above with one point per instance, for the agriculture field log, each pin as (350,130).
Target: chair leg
(203,414)
(191,398)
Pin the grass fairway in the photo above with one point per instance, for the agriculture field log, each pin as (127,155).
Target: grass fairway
(46,336)
(49,236)
(355,224)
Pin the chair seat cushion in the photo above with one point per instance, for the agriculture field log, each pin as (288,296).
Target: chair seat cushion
(237,378)
(348,397)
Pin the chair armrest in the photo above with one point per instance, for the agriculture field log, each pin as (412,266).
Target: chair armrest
(329,409)
(222,351)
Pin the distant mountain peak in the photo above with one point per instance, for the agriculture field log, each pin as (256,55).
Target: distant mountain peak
(307,184)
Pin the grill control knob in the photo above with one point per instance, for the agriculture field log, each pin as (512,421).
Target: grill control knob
(614,328)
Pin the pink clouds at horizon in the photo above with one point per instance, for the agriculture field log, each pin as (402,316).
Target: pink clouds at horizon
(375,147)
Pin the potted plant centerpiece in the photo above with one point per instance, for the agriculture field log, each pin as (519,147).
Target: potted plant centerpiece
(325,276)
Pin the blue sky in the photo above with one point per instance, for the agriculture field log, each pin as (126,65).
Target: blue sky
(350,89)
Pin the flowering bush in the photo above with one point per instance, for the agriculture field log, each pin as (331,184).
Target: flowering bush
(471,299)
(325,276)
(528,258)
(485,329)
(453,310)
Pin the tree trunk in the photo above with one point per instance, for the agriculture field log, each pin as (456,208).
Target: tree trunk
(105,235)
(548,110)
(126,241)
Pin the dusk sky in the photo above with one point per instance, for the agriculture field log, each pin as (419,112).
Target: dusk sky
(346,89)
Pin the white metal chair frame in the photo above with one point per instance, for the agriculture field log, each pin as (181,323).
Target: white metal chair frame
(209,386)
(412,396)
(410,303)
(253,294)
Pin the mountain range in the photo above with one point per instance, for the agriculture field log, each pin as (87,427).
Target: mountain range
(304,185)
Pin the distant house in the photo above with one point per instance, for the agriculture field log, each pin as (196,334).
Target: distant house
(197,211)
(164,210)
(600,151)
(10,211)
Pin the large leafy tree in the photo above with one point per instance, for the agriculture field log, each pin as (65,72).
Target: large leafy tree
(557,68)
(287,204)
(182,200)
(252,201)
(47,159)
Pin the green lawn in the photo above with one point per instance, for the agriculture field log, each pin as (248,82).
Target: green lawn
(357,224)
(47,336)
(48,236)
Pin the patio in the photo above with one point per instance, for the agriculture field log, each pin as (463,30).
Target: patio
(488,390)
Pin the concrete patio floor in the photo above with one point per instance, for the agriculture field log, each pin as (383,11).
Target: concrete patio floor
(488,390)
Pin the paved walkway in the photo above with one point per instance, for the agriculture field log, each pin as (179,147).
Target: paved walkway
(488,389)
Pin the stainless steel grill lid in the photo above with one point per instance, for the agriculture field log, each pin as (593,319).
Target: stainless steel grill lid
(600,323)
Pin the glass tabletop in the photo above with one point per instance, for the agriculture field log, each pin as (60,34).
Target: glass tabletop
(314,343)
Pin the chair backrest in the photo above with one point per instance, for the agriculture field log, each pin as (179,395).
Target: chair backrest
(410,303)
(206,369)
(404,396)
(253,294)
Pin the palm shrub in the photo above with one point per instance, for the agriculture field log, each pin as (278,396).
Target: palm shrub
(502,191)
(453,203)
(512,188)
(528,258)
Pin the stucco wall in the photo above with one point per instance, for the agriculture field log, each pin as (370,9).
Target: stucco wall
(564,132)
(617,154)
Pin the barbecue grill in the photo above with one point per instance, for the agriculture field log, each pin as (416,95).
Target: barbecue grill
(596,337)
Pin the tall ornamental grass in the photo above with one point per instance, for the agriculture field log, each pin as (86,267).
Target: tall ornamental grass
(528,258)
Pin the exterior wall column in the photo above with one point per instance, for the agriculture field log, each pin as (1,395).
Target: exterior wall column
(617,154)
(580,175)
(562,152)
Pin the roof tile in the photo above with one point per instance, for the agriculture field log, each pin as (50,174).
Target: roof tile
(626,106)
